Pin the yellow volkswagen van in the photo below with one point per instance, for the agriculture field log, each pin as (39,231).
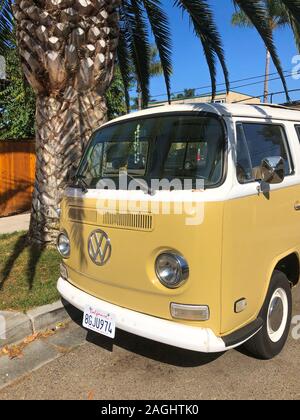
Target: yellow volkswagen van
(182,225)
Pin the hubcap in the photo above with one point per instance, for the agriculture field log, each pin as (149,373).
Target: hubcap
(277,315)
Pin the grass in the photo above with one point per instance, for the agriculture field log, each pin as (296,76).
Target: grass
(28,274)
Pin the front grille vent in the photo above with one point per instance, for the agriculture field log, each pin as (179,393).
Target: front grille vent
(133,221)
(136,221)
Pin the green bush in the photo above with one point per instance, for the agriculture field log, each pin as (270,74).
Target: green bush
(17,102)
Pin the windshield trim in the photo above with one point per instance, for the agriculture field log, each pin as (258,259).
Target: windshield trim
(203,114)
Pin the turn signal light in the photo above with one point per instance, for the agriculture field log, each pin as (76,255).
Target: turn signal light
(190,312)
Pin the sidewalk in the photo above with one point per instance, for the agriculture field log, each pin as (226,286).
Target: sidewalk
(60,341)
(14,223)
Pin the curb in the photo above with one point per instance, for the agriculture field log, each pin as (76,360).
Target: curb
(15,326)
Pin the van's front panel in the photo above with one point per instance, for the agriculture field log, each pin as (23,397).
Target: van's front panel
(128,278)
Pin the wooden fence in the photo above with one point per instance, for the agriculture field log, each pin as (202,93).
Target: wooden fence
(17,168)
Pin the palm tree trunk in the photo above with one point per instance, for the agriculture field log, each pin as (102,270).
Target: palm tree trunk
(63,128)
(68,50)
(267,76)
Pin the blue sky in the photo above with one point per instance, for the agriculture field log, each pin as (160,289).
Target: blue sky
(245,54)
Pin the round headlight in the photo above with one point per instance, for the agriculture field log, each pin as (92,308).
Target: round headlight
(63,245)
(171,269)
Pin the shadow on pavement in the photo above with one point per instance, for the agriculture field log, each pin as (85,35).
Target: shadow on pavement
(144,347)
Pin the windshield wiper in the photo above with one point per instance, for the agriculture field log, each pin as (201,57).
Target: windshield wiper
(79,183)
(82,183)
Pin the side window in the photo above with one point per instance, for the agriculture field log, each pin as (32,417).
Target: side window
(244,165)
(298,131)
(256,142)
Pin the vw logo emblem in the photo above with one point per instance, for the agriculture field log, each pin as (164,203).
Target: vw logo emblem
(99,247)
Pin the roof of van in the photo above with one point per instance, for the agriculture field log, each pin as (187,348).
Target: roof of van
(263,111)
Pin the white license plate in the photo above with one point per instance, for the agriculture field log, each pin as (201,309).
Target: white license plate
(99,321)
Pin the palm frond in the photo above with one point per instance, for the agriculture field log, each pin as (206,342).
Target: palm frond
(156,68)
(240,19)
(296,30)
(160,28)
(211,62)
(7,35)
(204,25)
(141,50)
(292,9)
(139,47)
(277,11)
(256,12)
(293,6)
(124,65)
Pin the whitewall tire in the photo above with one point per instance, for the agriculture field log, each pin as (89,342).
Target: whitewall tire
(276,315)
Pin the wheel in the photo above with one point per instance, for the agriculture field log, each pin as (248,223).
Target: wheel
(276,314)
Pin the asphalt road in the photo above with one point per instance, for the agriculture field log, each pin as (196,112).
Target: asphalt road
(135,368)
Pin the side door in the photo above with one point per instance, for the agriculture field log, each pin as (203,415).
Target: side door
(261,225)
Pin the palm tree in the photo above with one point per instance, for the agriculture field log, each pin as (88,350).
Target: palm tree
(68,50)
(278,16)
(186,94)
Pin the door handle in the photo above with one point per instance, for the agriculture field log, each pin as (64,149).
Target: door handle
(297,206)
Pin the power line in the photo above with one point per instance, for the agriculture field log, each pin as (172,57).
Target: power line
(232,83)
(272,94)
(241,86)
(262,81)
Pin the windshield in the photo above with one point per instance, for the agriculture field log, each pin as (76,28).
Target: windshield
(162,147)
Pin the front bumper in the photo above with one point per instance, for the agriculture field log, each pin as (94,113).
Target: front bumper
(168,332)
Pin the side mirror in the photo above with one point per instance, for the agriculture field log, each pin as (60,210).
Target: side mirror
(273,170)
